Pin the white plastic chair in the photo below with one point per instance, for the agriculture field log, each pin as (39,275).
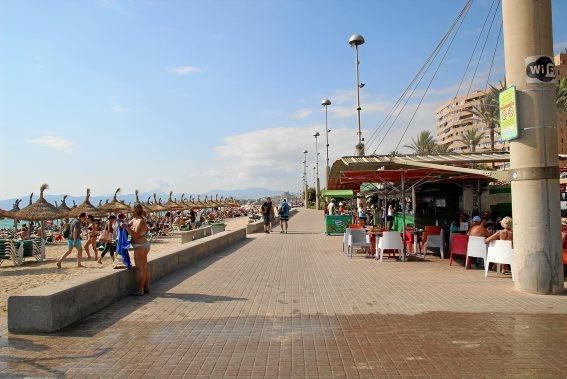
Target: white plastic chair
(345,238)
(500,252)
(435,241)
(358,238)
(389,241)
(476,248)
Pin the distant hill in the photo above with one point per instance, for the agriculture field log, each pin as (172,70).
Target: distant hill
(240,194)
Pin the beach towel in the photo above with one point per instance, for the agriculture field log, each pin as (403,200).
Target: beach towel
(122,245)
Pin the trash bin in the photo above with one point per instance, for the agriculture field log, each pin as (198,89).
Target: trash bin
(218,227)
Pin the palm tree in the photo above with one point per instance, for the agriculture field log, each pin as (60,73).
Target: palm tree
(423,144)
(443,148)
(471,138)
(488,111)
(561,95)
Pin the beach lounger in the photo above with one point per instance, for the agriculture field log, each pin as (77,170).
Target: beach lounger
(32,249)
(9,251)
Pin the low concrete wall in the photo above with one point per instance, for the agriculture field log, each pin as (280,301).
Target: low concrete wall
(258,226)
(195,234)
(57,305)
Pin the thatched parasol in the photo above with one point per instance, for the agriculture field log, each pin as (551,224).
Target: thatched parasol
(145,206)
(173,205)
(5,214)
(63,207)
(40,210)
(115,206)
(156,206)
(86,207)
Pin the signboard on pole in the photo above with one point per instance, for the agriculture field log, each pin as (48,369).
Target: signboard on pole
(508,114)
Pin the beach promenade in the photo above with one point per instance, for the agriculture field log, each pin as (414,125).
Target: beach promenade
(294,306)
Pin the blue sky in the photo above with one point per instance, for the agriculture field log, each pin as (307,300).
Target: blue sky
(192,96)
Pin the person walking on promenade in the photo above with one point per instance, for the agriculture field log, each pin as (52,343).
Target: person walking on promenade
(268,214)
(284,215)
(92,236)
(73,236)
(107,237)
(137,228)
(331,207)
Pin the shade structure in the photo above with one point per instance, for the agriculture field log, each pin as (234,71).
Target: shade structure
(173,205)
(63,207)
(5,214)
(156,206)
(337,193)
(115,206)
(86,207)
(145,206)
(40,210)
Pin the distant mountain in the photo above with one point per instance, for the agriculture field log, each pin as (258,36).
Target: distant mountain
(240,194)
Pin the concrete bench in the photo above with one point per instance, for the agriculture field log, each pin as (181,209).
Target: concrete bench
(258,226)
(195,234)
(54,306)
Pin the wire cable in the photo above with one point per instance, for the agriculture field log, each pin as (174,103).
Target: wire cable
(493,55)
(458,21)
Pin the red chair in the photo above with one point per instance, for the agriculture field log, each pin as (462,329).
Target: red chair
(409,239)
(356,226)
(458,246)
(565,257)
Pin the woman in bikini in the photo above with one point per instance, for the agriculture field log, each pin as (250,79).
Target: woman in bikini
(92,235)
(504,234)
(137,228)
(108,242)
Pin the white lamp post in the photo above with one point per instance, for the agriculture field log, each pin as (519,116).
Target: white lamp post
(326,103)
(355,40)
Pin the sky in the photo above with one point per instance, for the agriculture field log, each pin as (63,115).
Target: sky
(192,96)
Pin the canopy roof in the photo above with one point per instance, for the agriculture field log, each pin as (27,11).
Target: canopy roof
(40,210)
(350,172)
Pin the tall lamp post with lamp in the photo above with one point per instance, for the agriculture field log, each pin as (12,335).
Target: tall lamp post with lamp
(354,41)
(305,178)
(326,103)
(317,185)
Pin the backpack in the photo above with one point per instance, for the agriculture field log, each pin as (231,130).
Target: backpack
(66,230)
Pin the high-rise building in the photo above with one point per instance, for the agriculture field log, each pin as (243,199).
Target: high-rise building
(454,117)
(561,72)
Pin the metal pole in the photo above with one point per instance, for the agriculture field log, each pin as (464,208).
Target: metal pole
(317,189)
(533,156)
(305,186)
(358,108)
(327,140)
(404,251)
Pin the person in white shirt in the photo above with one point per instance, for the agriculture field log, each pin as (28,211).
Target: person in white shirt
(391,212)
(331,207)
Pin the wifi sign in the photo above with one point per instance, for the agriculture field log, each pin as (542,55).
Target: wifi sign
(539,69)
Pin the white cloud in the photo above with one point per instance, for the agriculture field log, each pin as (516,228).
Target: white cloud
(160,183)
(302,113)
(121,109)
(52,142)
(184,70)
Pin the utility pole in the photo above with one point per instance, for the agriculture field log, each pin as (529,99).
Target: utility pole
(533,155)
(354,41)
(326,103)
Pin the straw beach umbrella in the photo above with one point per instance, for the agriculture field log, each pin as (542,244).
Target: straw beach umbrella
(86,207)
(40,210)
(5,214)
(173,205)
(63,207)
(115,206)
(145,207)
(156,206)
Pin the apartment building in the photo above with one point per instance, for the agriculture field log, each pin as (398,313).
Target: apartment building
(561,72)
(454,117)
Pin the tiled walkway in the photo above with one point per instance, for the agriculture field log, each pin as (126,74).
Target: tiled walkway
(294,306)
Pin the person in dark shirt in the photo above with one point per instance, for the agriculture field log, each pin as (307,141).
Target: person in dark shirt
(74,240)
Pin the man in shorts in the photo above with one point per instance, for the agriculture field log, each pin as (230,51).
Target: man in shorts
(284,215)
(74,240)
(268,214)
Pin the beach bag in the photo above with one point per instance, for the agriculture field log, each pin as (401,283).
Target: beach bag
(106,236)
(66,231)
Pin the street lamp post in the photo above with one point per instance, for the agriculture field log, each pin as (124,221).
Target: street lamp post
(317,189)
(326,103)
(354,41)
(305,177)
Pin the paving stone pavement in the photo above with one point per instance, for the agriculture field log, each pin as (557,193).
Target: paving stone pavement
(294,306)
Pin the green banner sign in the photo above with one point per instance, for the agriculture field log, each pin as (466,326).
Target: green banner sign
(508,114)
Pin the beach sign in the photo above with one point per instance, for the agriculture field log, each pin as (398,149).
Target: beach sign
(508,114)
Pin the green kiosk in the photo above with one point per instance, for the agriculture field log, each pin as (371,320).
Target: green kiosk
(337,224)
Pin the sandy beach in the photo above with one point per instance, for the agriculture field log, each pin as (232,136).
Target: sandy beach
(33,274)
